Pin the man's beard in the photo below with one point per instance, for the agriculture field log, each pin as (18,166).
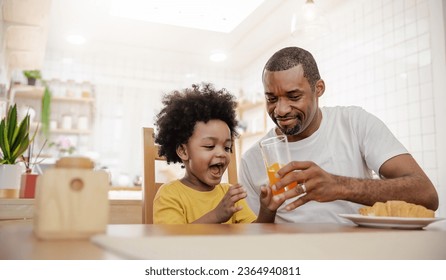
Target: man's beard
(291,130)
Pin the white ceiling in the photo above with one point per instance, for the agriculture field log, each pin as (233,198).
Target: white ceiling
(156,41)
(267,25)
(219,16)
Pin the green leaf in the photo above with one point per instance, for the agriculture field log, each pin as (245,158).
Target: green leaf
(22,133)
(20,149)
(46,112)
(14,139)
(11,121)
(32,74)
(4,140)
(3,137)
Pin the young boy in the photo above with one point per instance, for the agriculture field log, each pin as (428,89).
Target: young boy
(197,128)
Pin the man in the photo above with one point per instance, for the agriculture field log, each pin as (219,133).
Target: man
(334,151)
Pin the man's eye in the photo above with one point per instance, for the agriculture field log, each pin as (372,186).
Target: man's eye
(297,97)
(271,99)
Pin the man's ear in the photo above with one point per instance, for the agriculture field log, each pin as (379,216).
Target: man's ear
(320,88)
(182,152)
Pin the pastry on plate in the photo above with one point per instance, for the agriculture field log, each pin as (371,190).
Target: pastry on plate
(397,208)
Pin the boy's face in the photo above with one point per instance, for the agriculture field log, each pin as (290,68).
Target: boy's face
(207,154)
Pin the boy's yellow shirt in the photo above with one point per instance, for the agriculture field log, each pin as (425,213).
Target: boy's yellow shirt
(176,203)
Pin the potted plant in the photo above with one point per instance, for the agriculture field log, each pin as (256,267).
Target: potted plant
(14,140)
(29,178)
(32,76)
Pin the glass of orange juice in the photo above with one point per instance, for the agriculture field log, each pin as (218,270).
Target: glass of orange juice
(276,153)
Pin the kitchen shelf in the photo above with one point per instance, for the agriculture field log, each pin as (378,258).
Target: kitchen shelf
(32,92)
(72,112)
(62,131)
(255,126)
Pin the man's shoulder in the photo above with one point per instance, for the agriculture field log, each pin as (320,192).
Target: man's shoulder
(346,110)
(352,113)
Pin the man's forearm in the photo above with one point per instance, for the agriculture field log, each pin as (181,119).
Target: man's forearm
(415,189)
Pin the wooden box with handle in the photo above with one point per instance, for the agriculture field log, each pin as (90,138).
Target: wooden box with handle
(71,200)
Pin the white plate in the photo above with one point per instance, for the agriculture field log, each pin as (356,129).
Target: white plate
(390,222)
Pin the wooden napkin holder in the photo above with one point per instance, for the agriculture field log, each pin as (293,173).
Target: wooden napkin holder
(71,200)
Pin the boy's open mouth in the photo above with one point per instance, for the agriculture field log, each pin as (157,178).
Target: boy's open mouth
(217,169)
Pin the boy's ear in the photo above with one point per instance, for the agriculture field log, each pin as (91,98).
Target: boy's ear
(182,152)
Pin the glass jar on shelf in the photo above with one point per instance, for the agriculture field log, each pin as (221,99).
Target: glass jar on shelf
(67,122)
(70,89)
(82,122)
(86,90)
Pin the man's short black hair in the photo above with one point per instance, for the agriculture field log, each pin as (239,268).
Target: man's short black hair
(290,57)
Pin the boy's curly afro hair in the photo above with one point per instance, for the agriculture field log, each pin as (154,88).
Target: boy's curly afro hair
(183,109)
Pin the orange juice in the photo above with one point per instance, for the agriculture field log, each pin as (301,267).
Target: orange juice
(272,170)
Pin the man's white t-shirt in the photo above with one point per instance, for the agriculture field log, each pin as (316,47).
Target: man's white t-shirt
(349,142)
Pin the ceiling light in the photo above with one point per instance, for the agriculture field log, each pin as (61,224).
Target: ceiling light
(219,16)
(309,20)
(75,39)
(218,56)
(309,10)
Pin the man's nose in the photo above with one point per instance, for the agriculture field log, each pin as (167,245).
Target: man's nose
(282,107)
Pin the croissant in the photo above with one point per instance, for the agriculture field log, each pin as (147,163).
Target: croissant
(396,208)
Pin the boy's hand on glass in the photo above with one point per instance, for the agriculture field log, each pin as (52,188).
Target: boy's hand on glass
(267,201)
(268,206)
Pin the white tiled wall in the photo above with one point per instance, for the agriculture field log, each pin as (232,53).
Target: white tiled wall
(379,55)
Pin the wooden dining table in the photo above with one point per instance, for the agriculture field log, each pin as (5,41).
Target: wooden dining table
(310,241)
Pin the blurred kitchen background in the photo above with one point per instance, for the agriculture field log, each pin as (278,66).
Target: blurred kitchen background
(387,56)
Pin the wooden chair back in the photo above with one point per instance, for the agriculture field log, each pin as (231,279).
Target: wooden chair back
(151,184)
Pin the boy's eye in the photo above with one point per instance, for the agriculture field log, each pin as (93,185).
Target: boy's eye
(209,147)
(228,149)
